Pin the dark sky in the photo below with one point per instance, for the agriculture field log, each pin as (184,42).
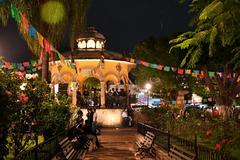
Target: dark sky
(123,22)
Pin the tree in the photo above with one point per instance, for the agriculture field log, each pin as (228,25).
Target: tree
(155,50)
(53,19)
(214,44)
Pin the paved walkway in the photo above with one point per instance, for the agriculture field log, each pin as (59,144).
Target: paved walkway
(119,144)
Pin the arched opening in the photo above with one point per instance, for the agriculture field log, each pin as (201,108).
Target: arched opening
(90,96)
(115,96)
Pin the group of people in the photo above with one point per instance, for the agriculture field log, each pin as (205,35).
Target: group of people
(116,98)
(88,98)
(84,130)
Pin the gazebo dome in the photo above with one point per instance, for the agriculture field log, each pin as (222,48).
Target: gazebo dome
(91,40)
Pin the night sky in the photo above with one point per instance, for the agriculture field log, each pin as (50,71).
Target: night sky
(124,23)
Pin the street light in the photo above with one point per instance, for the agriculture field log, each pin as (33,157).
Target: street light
(148,86)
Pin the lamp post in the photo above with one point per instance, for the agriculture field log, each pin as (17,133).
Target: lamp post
(148,86)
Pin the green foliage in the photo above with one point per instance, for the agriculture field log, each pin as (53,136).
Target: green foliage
(26,111)
(216,27)
(92,83)
(210,130)
(155,50)
(57,117)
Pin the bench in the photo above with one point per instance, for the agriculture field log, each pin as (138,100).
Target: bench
(68,152)
(178,153)
(146,146)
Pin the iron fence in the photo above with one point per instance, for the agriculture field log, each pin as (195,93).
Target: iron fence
(43,151)
(165,140)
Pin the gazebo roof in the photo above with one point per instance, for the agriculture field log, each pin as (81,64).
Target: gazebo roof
(91,33)
(91,46)
(76,54)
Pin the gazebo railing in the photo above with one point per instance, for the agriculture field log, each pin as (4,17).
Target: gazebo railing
(165,140)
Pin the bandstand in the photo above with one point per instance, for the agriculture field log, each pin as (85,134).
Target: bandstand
(91,60)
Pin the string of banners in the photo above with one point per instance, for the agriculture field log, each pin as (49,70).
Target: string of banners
(180,71)
(27,67)
(33,33)
(48,48)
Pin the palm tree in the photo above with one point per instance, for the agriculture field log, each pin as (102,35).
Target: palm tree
(53,19)
(214,42)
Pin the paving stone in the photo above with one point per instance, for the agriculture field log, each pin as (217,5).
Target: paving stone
(119,144)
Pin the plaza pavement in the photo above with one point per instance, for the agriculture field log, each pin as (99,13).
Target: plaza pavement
(119,144)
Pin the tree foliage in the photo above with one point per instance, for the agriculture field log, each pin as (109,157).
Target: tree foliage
(155,50)
(214,43)
(73,21)
(216,33)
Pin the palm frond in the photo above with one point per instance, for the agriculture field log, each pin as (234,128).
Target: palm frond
(184,61)
(212,47)
(196,54)
(182,37)
(213,9)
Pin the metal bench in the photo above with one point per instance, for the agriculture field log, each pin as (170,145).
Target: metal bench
(178,153)
(68,152)
(146,146)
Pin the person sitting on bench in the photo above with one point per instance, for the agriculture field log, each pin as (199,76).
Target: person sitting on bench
(76,133)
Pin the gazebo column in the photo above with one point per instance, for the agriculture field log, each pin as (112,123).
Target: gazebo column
(127,93)
(74,93)
(102,94)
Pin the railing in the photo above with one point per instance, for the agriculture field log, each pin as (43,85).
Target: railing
(165,140)
(43,151)
(110,101)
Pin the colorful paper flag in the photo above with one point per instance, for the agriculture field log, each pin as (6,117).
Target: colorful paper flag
(152,65)
(15,13)
(180,71)
(220,74)
(40,39)
(33,32)
(127,59)
(25,22)
(196,72)
(33,62)
(229,75)
(202,74)
(34,69)
(188,71)
(26,64)
(47,46)
(146,64)
(166,68)
(174,69)
(136,61)
(59,55)
(160,67)
(21,68)
(211,74)
(131,60)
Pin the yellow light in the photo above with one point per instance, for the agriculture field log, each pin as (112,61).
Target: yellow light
(82,44)
(90,44)
(52,12)
(148,86)
(98,45)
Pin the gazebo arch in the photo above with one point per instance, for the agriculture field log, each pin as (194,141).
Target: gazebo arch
(111,76)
